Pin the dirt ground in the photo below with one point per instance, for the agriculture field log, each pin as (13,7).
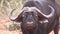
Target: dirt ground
(5,22)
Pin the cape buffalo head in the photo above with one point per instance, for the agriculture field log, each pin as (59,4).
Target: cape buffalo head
(27,13)
(28,17)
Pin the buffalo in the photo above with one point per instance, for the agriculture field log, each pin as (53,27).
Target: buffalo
(38,17)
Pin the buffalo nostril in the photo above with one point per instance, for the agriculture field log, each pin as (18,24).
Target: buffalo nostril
(30,25)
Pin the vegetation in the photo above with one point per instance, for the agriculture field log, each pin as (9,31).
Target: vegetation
(7,5)
(14,27)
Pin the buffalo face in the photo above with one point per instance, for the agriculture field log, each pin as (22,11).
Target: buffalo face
(30,20)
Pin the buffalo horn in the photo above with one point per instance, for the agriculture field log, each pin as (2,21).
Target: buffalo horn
(47,16)
(15,18)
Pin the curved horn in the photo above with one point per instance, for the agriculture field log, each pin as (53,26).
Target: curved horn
(15,18)
(47,16)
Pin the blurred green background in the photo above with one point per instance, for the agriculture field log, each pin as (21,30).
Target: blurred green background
(7,5)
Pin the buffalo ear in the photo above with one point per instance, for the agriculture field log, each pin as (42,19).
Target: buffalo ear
(19,18)
(40,17)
